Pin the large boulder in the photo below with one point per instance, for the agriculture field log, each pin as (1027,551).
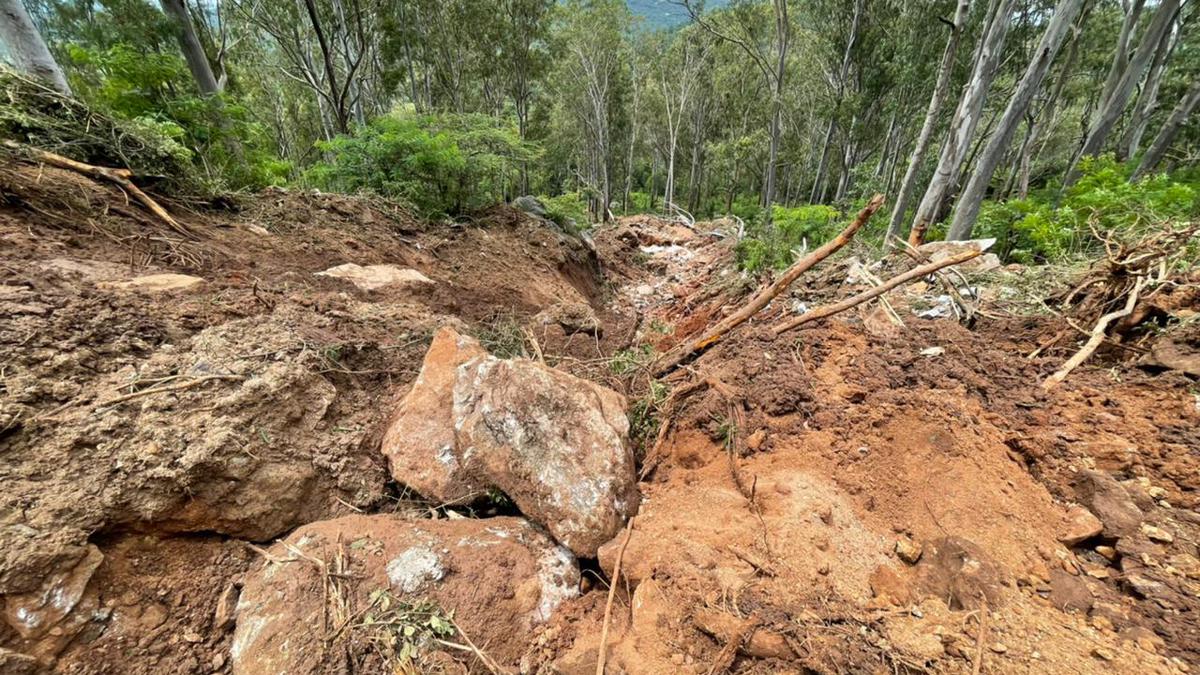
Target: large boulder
(557,445)
(421,442)
(293,609)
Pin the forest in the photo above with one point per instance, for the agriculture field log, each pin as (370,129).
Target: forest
(1008,119)
(561,337)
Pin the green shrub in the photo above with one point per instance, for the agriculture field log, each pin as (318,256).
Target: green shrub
(1036,229)
(442,164)
(568,210)
(155,91)
(793,228)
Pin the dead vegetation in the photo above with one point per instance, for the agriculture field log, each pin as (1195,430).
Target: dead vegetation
(1137,282)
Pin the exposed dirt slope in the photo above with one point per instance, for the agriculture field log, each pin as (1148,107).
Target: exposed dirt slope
(242,406)
(851,497)
(862,442)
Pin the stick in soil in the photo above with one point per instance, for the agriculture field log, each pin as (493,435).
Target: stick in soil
(612,592)
(173,387)
(1096,338)
(914,273)
(686,350)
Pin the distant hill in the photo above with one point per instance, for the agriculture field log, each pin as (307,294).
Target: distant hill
(664,13)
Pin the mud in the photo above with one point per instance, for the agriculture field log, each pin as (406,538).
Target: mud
(855,496)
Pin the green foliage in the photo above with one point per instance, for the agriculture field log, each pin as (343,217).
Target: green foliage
(154,91)
(442,164)
(568,210)
(403,632)
(631,360)
(32,113)
(794,227)
(1036,229)
(645,413)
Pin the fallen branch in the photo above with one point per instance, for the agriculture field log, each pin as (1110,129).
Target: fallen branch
(1097,336)
(914,273)
(120,177)
(686,350)
(612,592)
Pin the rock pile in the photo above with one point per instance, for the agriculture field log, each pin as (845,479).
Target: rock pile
(472,424)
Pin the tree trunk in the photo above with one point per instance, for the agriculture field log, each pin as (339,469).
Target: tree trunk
(189,44)
(1121,53)
(818,189)
(26,47)
(1168,132)
(972,196)
(1147,102)
(336,99)
(965,120)
(782,36)
(940,88)
(1109,111)
(1045,117)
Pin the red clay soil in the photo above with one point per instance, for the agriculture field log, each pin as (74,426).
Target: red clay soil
(898,511)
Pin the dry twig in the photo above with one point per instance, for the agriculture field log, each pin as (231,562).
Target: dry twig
(612,592)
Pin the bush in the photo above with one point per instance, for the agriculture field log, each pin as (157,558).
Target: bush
(442,164)
(155,91)
(794,227)
(568,210)
(1035,229)
(32,113)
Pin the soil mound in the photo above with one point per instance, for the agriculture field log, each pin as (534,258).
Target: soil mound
(245,402)
(889,490)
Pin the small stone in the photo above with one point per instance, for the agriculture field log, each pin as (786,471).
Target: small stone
(1098,573)
(1101,623)
(1070,568)
(677,659)
(1157,492)
(1157,534)
(1108,552)
(218,661)
(1081,525)
(223,617)
(823,570)
(192,637)
(908,550)
(755,440)
(1103,654)
(998,647)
